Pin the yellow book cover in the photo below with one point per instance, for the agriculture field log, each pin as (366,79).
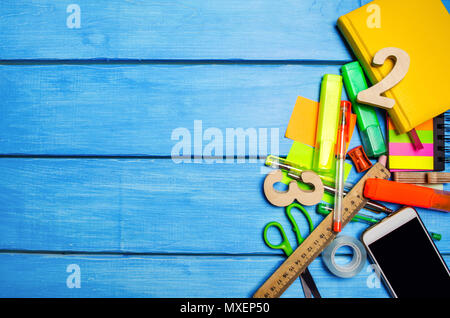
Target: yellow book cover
(422,29)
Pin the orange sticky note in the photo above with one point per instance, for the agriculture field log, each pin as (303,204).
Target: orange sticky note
(303,123)
(302,126)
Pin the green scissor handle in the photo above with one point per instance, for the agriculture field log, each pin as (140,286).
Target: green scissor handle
(308,284)
(284,245)
(295,228)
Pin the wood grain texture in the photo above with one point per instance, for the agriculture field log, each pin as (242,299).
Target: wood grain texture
(251,30)
(44,275)
(229,64)
(134,109)
(147,206)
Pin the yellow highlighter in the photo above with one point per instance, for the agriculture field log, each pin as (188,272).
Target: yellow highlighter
(328,120)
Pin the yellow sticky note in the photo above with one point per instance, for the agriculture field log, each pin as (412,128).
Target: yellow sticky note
(418,162)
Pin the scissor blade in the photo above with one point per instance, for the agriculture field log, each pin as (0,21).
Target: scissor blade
(305,287)
(310,284)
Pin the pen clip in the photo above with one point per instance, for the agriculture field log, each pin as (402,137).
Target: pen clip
(348,114)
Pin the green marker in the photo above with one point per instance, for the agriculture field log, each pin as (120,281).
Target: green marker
(325,209)
(435,236)
(327,124)
(369,127)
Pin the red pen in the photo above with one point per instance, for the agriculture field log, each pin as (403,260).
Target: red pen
(407,194)
(343,138)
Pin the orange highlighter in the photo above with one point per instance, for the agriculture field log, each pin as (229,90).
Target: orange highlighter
(407,194)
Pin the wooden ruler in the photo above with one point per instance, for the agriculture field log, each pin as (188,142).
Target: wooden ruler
(316,242)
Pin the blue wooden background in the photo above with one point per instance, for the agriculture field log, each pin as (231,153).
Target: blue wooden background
(86,174)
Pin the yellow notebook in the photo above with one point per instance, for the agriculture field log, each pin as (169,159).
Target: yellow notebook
(422,29)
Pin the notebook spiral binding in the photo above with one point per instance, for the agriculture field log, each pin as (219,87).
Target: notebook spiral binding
(443,124)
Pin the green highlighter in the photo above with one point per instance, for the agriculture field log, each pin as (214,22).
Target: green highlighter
(327,124)
(370,130)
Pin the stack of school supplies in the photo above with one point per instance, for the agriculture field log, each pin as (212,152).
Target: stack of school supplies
(321,132)
(420,97)
(305,115)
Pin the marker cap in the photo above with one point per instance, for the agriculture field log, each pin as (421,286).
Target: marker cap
(337,227)
(373,141)
(407,194)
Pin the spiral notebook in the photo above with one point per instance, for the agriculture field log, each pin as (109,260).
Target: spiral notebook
(403,157)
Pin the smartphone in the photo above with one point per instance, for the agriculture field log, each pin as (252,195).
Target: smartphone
(408,260)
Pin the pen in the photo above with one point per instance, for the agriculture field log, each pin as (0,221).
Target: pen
(294,170)
(325,209)
(337,214)
(370,205)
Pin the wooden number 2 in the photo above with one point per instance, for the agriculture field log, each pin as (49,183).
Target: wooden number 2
(284,198)
(372,95)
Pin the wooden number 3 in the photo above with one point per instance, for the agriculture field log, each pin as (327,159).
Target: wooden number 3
(372,96)
(284,198)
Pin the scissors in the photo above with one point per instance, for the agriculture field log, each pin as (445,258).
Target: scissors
(308,284)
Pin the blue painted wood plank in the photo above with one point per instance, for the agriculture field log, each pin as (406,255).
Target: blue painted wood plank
(135,109)
(261,30)
(41,275)
(147,206)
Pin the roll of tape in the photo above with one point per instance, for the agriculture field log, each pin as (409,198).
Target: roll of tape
(355,265)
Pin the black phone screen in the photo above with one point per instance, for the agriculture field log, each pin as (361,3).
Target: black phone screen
(410,262)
